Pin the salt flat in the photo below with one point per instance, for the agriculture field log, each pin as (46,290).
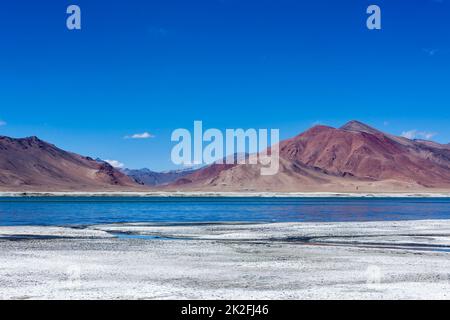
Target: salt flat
(357,260)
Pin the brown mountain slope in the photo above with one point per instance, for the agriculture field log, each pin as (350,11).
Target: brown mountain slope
(31,164)
(369,155)
(353,157)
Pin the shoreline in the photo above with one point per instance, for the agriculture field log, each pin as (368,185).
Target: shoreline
(166,194)
(115,227)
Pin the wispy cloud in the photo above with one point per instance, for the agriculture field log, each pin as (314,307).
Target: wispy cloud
(116,164)
(430,52)
(318,123)
(2,123)
(416,134)
(144,135)
(158,32)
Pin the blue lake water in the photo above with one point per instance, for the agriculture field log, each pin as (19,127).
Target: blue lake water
(96,210)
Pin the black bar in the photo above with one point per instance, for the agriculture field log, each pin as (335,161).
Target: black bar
(236,309)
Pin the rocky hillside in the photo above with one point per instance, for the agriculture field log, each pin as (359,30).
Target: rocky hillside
(355,157)
(30,164)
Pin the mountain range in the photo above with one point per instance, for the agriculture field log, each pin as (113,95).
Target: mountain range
(148,177)
(352,158)
(30,164)
(355,157)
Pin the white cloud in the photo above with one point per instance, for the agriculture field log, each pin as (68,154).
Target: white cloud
(158,32)
(318,123)
(415,134)
(2,123)
(411,134)
(144,135)
(431,52)
(115,164)
(428,135)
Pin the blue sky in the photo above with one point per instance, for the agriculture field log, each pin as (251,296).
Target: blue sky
(154,66)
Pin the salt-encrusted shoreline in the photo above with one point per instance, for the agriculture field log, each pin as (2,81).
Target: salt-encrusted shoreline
(232,194)
(352,260)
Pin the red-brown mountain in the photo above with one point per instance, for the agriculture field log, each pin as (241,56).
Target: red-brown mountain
(355,157)
(31,164)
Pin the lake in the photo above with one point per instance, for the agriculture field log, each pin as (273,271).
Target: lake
(98,210)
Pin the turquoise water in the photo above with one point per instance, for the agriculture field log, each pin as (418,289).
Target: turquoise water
(96,210)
